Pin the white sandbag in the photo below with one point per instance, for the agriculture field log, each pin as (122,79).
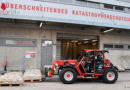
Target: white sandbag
(32,74)
(11,78)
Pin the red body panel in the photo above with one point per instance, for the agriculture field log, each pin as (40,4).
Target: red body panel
(65,62)
(58,63)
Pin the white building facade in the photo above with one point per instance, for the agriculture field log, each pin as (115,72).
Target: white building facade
(48,30)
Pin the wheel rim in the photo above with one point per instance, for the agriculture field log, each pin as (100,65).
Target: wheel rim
(110,76)
(68,76)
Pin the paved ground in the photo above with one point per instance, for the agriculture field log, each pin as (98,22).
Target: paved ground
(123,83)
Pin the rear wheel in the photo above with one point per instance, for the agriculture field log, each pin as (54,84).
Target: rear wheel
(68,75)
(110,75)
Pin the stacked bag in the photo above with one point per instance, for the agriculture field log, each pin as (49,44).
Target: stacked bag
(32,74)
(12,78)
(19,78)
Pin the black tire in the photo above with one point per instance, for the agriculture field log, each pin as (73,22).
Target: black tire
(65,71)
(111,79)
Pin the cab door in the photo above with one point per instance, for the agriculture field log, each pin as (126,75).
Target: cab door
(80,67)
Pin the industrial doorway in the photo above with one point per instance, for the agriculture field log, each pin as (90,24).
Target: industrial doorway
(69,46)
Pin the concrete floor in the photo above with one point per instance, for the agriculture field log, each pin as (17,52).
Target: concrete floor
(123,83)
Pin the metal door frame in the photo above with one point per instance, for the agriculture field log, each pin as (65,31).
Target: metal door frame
(42,52)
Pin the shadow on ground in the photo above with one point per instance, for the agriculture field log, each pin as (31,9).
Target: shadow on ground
(79,80)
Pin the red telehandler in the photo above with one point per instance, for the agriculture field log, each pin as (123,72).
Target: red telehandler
(91,64)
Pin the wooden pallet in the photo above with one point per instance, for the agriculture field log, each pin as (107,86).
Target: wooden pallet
(39,80)
(2,84)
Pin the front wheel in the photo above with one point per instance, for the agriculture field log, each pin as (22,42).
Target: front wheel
(68,75)
(110,75)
